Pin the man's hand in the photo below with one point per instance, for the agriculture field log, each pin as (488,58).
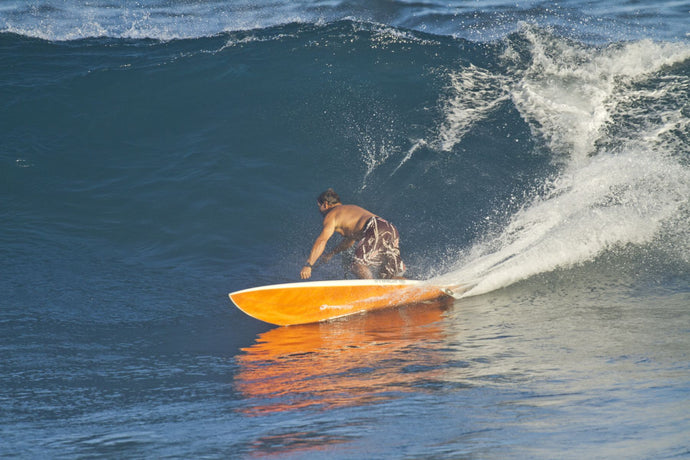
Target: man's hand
(305,273)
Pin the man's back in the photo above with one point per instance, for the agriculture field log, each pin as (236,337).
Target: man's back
(349,219)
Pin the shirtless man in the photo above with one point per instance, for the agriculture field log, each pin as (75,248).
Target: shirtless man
(376,255)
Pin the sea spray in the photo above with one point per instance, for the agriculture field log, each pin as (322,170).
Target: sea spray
(623,179)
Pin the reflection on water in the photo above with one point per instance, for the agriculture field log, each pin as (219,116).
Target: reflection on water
(356,360)
(438,382)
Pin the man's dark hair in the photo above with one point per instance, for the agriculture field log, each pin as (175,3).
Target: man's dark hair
(329,196)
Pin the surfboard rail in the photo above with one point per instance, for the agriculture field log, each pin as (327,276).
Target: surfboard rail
(315,301)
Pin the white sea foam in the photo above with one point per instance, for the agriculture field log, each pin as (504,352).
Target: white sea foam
(617,128)
(611,202)
(570,92)
(475,93)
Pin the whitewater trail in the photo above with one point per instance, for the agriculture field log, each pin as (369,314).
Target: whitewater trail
(615,187)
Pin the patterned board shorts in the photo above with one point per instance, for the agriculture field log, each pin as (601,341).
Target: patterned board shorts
(378,249)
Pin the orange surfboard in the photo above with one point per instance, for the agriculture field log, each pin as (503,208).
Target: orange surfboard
(314,301)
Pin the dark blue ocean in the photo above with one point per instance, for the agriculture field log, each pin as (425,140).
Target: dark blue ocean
(156,155)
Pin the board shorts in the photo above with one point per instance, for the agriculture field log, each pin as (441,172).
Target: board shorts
(378,249)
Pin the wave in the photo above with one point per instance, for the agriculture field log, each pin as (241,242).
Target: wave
(497,161)
(607,118)
(166,20)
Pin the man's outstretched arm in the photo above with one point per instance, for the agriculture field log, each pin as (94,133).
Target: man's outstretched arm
(318,248)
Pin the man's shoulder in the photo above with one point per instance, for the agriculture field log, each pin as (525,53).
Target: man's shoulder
(352,217)
(349,211)
(355,209)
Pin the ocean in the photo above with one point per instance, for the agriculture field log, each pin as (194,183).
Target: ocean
(156,155)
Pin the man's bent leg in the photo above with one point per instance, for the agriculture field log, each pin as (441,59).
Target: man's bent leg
(361,271)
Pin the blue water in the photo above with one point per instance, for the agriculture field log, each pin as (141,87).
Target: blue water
(156,155)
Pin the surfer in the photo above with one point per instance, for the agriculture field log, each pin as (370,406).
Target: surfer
(377,254)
